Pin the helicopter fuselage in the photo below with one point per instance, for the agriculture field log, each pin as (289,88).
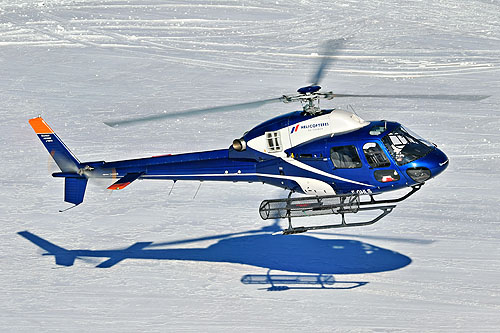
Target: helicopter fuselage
(334,152)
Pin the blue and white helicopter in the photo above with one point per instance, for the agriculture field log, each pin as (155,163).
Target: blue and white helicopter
(338,160)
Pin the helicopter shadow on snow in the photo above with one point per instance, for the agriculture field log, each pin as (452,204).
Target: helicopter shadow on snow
(314,261)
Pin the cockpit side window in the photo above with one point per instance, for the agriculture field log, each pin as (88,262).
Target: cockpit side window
(405,148)
(375,155)
(345,157)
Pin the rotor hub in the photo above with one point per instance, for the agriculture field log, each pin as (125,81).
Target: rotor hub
(309,89)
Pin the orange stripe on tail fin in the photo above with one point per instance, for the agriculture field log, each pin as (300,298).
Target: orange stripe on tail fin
(40,126)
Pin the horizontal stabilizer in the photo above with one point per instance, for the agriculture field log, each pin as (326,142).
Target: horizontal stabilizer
(122,255)
(125,181)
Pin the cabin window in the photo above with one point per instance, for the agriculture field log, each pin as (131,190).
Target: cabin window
(273,142)
(375,155)
(345,157)
(377,130)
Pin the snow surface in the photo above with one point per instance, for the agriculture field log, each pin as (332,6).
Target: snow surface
(431,265)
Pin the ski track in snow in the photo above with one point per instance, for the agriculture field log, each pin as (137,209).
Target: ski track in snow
(207,38)
(79,63)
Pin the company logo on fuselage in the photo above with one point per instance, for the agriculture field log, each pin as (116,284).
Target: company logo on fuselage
(309,126)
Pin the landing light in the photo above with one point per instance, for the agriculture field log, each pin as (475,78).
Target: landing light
(419,175)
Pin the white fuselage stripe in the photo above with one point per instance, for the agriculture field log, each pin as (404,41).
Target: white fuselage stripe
(308,185)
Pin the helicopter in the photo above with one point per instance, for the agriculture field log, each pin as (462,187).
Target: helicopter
(338,160)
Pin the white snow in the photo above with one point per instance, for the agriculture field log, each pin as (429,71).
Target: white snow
(79,63)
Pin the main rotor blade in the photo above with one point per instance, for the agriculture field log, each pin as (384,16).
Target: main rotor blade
(330,48)
(232,107)
(441,97)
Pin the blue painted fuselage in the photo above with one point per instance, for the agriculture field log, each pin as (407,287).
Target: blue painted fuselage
(308,161)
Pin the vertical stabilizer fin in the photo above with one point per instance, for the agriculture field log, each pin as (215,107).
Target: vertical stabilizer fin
(63,157)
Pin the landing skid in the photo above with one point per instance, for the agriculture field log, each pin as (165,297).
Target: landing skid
(324,205)
(297,230)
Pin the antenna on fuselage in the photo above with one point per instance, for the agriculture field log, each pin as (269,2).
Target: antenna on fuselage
(349,106)
(197,190)
(175,181)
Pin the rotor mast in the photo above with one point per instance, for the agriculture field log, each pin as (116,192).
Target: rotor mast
(309,97)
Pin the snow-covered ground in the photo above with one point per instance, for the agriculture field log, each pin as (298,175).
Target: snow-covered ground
(431,265)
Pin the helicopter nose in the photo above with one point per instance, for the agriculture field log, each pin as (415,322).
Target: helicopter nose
(429,166)
(438,162)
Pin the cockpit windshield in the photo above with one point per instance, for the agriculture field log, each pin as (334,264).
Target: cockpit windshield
(405,147)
